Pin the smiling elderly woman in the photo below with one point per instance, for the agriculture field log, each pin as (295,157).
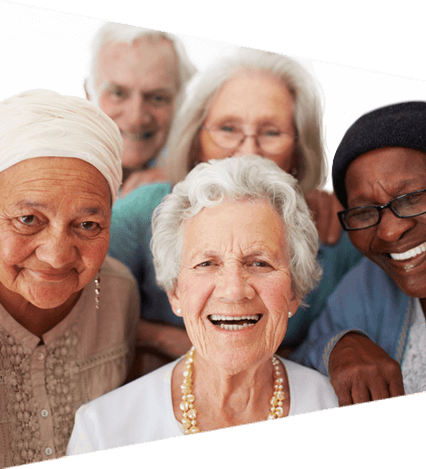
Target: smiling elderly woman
(65,338)
(234,246)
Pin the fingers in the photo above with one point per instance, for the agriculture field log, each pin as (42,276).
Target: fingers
(324,207)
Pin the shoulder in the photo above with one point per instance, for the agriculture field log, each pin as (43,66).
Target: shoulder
(309,389)
(137,412)
(114,269)
(144,198)
(369,283)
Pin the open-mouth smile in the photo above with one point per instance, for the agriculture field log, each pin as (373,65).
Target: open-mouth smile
(421,248)
(234,323)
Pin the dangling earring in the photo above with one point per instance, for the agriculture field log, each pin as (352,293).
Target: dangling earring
(97,289)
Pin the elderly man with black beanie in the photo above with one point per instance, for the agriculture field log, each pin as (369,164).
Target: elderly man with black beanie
(371,338)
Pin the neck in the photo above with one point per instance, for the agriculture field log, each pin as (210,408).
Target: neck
(224,399)
(36,320)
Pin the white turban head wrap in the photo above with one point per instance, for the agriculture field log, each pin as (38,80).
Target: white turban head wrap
(41,123)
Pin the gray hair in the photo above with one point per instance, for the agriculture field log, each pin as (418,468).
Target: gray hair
(248,177)
(121,33)
(309,154)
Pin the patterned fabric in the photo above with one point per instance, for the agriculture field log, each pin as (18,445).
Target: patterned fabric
(43,382)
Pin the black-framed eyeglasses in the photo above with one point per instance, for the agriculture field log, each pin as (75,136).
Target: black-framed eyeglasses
(405,206)
(269,139)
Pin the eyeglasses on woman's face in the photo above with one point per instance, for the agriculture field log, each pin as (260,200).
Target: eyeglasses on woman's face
(269,139)
(405,206)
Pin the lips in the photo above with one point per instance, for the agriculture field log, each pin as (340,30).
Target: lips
(409,254)
(234,323)
(139,136)
(51,276)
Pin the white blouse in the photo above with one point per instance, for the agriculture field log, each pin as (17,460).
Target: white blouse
(142,410)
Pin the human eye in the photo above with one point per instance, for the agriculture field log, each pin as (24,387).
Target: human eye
(270,132)
(205,264)
(228,128)
(259,265)
(28,220)
(358,217)
(117,92)
(89,228)
(159,99)
(27,224)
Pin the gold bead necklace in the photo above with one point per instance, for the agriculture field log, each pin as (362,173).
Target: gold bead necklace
(187,404)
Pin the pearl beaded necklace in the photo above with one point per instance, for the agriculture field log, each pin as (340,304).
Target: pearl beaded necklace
(187,404)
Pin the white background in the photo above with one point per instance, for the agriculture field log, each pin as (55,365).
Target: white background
(43,48)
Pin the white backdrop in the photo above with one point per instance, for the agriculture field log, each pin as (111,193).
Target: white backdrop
(43,48)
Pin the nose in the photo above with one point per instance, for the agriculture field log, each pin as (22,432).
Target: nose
(137,111)
(391,228)
(57,248)
(232,286)
(248,146)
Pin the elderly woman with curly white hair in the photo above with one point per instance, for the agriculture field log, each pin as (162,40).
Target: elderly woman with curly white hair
(234,246)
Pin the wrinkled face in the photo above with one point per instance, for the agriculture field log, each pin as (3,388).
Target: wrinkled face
(257,102)
(137,86)
(234,287)
(54,229)
(375,178)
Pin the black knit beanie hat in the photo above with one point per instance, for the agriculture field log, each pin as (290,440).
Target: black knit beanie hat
(397,125)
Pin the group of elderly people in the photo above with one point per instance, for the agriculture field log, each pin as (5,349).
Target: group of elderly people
(229,234)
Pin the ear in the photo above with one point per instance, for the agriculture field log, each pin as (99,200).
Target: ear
(85,90)
(174,299)
(294,303)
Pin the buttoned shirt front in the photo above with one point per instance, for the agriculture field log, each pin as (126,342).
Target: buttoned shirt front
(43,381)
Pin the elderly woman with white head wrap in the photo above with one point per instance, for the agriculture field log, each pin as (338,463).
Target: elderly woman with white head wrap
(67,313)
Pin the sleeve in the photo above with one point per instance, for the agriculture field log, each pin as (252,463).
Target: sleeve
(82,439)
(366,301)
(130,230)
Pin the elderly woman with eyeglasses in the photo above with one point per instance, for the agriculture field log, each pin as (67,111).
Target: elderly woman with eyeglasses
(234,246)
(251,102)
(371,338)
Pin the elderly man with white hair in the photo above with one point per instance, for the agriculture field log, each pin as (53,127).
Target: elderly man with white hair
(138,78)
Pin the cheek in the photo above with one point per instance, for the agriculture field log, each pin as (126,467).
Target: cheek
(93,255)
(208,150)
(360,240)
(110,109)
(163,116)
(284,160)
(13,248)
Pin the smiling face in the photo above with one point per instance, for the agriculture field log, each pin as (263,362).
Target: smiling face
(54,230)
(257,102)
(375,178)
(137,86)
(234,287)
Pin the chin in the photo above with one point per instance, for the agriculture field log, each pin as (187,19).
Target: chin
(48,299)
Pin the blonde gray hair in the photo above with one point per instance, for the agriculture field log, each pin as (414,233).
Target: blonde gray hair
(248,177)
(310,155)
(121,33)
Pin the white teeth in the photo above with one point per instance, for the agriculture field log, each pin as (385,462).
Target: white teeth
(409,254)
(217,317)
(234,327)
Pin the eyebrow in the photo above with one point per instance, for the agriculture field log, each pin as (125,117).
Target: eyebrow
(110,84)
(22,204)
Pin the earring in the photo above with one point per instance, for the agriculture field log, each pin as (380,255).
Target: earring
(178,311)
(97,289)
(290,314)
